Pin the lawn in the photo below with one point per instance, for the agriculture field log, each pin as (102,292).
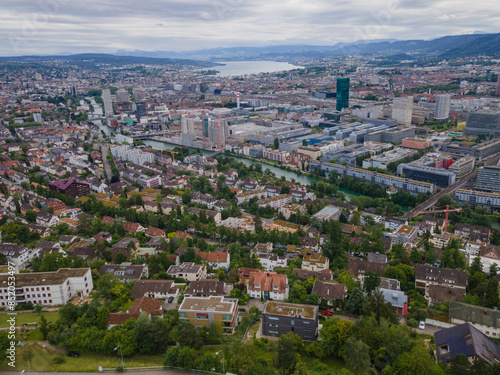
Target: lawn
(22,318)
(43,361)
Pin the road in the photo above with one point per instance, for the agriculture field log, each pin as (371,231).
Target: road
(450,189)
(105,161)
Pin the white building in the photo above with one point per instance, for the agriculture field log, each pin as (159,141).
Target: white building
(443,103)
(402,110)
(48,288)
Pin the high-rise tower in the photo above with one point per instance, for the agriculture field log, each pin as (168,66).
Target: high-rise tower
(342,93)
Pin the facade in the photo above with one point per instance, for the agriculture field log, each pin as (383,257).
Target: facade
(405,234)
(443,103)
(417,144)
(484,122)
(202,311)
(280,318)
(206,287)
(48,288)
(328,213)
(488,178)
(478,198)
(284,226)
(425,276)
(462,166)
(71,187)
(342,93)
(402,109)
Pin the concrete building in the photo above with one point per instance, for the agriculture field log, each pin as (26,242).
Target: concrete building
(475,197)
(402,110)
(383,160)
(280,318)
(483,122)
(443,103)
(188,271)
(47,288)
(108,104)
(488,178)
(202,311)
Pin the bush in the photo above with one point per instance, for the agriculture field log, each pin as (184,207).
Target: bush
(412,323)
(59,360)
(119,368)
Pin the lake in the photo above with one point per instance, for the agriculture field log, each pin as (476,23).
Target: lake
(238,68)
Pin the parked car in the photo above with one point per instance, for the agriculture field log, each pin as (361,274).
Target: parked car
(74,354)
(421,325)
(327,313)
(170,299)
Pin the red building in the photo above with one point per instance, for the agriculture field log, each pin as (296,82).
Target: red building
(71,187)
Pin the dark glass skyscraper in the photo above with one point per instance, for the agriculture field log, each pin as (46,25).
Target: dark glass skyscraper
(342,93)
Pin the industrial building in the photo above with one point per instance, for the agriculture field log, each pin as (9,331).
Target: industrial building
(383,160)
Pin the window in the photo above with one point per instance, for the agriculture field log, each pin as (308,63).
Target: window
(256,286)
(50,301)
(444,349)
(226,317)
(201,316)
(272,318)
(183,315)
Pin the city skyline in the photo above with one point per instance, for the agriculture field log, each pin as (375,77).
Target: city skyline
(61,27)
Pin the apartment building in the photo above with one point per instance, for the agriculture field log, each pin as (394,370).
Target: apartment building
(279,318)
(47,288)
(202,311)
(188,271)
(315,262)
(268,285)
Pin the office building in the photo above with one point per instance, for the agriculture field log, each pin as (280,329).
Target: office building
(108,104)
(122,96)
(47,288)
(463,166)
(280,318)
(488,178)
(202,311)
(342,93)
(402,109)
(467,148)
(416,144)
(443,103)
(484,122)
(37,117)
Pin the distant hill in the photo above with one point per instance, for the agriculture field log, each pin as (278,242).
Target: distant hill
(95,59)
(444,47)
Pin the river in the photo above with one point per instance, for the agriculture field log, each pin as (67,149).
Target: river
(278,172)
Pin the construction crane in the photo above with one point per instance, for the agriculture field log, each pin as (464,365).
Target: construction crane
(440,211)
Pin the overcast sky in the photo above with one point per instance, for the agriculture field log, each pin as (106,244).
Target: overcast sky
(76,26)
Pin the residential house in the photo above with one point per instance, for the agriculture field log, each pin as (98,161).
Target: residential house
(359,267)
(325,275)
(333,293)
(315,262)
(284,226)
(272,261)
(125,271)
(206,287)
(482,318)
(16,254)
(268,285)
(188,271)
(159,289)
(217,259)
(396,298)
(144,305)
(467,340)
(488,255)
(425,276)
(46,219)
(439,293)
(405,234)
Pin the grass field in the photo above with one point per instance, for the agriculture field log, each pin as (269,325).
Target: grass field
(22,318)
(43,361)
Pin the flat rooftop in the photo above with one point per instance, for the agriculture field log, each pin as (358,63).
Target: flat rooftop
(290,309)
(43,278)
(212,304)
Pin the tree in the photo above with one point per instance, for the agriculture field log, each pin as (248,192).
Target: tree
(356,304)
(276,143)
(372,281)
(44,327)
(491,294)
(334,334)
(31,216)
(4,345)
(38,308)
(189,336)
(288,345)
(381,308)
(28,356)
(357,356)
(301,369)
(258,223)
(418,361)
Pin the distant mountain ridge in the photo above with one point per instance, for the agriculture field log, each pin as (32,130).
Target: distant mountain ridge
(444,47)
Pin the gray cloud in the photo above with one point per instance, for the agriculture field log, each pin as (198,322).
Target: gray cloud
(64,26)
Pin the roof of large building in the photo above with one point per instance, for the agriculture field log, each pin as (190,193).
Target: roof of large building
(291,309)
(324,275)
(212,303)
(44,278)
(475,314)
(465,339)
(206,287)
(66,183)
(441,275)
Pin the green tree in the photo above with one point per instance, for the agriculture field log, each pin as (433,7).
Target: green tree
(189,336)
(287,350)
(356,304)
(418,361)
(276,143)
(357,356)
(491,294)
(372,281)
(378,306)
(31,216)
(44,327)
